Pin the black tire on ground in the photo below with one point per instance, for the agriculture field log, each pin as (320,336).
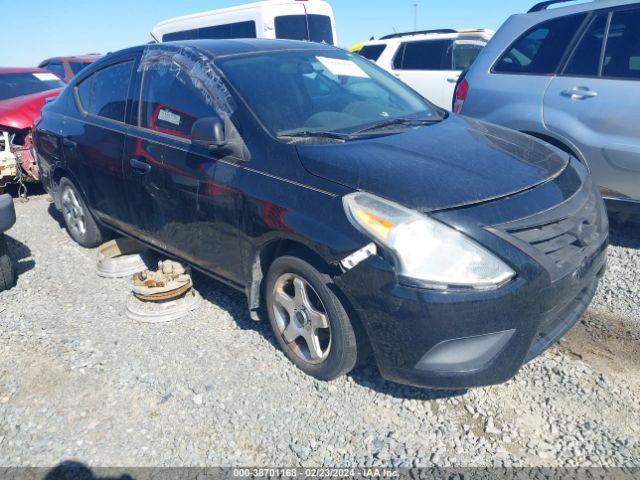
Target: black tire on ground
(342,354)
(7,272)
(91,235)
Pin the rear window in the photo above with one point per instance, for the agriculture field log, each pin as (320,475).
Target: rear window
(540,50)
(622,56)
(229,30)
(424,55)
(315,28)
(372,52)
(76,67)
(19,84)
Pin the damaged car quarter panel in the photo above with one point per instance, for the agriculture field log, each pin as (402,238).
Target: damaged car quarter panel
(351,211)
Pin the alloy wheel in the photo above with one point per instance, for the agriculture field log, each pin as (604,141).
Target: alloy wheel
(301,318)
(73,212)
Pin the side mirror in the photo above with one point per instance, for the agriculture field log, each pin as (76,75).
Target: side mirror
(208,133)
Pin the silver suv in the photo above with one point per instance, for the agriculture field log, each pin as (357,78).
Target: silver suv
(569,75)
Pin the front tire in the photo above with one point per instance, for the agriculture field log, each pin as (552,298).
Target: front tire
(79,221)
(310,323)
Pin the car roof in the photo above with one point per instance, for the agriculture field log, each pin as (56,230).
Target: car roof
(222,48)
(466,33)
(7,70)
(561,9)
(88,58)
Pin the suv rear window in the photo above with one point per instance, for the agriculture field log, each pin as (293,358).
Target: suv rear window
(540,50)
(424,55)
(372,52)
(465,53)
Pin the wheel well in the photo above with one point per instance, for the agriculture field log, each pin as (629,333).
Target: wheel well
(263,260)
(556,143)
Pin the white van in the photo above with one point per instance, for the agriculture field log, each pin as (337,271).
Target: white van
(310,20)
(430,61)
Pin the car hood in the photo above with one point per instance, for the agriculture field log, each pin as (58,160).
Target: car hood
(454,163)
(20,112)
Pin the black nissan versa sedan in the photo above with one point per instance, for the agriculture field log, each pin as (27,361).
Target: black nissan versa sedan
(352,211)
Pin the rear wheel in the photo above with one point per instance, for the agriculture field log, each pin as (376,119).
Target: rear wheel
(78,219)
(7,272)
(309,321)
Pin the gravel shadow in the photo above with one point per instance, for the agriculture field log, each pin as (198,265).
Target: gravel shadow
(79,471)
(20,254)
(56,215)
(625,234)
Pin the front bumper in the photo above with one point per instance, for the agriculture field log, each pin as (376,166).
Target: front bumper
(7,213)
(465,338)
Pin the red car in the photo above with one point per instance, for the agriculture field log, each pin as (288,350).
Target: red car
(68,67)
(23,93)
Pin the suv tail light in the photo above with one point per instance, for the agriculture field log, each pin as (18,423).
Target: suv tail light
(462,90)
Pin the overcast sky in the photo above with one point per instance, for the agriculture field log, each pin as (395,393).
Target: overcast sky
(46,28)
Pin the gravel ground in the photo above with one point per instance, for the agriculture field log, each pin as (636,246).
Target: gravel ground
(79,381)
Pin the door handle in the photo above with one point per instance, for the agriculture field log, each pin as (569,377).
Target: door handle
(139,166)
(452,79)
(580,93)
(70,144)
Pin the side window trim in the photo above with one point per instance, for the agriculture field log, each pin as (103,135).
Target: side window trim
(563,59)
(603,51)
(89,77)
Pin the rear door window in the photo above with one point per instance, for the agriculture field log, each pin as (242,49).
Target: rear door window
(171,104)
(585,60)
(540,50)
(424,55)
(104,94)
(372,52)
(622,54)
(320,29)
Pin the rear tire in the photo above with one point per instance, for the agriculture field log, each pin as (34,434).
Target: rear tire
(81,225)
(7,272)
(310,323)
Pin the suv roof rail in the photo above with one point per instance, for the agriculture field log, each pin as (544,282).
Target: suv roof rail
(420,32)
(546,4)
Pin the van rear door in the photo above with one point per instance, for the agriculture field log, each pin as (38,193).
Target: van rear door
(307,21)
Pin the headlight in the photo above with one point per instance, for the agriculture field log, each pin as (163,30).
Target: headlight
(426,250)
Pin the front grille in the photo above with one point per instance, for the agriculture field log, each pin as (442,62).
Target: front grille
(562,238)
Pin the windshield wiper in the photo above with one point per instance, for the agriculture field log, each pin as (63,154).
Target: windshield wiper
(398,121)
(309,133)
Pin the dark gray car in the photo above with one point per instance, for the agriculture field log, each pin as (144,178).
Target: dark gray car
(570,76)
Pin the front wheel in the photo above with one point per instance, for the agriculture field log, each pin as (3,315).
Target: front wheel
(7,272)
(309,321)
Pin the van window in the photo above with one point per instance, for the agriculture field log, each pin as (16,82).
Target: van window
(424,55)
(104,93)
(622,57)
(465,53)
(229,30)
(372,52)
(586,58)
(170,103)
(316,28)
(540,50)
